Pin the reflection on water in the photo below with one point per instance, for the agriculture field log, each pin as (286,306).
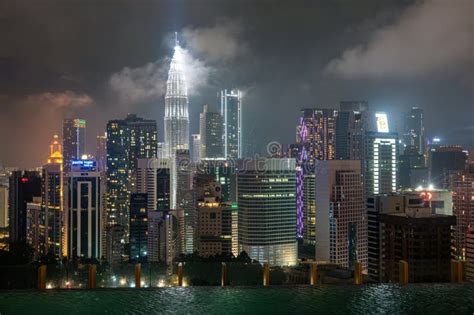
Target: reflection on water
(370,299)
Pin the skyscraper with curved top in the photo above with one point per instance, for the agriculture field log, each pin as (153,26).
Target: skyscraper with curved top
(176,106)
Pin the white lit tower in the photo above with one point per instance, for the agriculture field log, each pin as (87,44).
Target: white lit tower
(176,106)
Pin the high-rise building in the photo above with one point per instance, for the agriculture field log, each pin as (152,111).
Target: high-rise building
(380,162)
(443,160)
(52,201)
(316,140)
(414,131)
(85,215)
(74,141)
(3,206)
(470,254)
(316,134)
(101,153)
(353,120)
(210,129)
(165,230)
(176,106)
(214,220)
(184,199)
(231,112)
(462,185)
(138,227)
(309,209)
(196,147)
(23,187)
(402,226)
(115,245)
(412,171)
(127,141)
(36,227)
(267,210)
(223,172)
(341,222)
(154,179)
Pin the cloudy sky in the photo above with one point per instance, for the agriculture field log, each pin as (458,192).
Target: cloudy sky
(99,60)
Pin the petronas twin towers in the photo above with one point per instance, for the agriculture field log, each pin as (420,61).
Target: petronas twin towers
(176,106)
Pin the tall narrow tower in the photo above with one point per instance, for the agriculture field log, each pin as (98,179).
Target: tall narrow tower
(176,106)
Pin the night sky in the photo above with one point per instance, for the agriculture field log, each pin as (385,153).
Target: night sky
(99,60)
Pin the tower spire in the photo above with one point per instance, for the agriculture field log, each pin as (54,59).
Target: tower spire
(176,42)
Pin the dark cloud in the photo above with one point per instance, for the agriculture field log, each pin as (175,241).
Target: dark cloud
(430,36)
(100,60)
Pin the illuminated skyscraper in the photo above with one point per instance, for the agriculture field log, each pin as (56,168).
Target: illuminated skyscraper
(176,106)
(267,210)
(380,158)
(316,140)
(52,201)
(74,140)
(127,141)
(210,128)
(85,212)
(231,112)
(462,185)
(413,130)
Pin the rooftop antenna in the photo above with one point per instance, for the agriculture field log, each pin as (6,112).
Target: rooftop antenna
(176,42)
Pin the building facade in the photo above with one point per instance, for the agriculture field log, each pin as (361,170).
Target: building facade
(74,140)
(85,215)
(24,186)
(380,162)
(138,227)
(127,141)
(176,106)
(211,131)
(231,112)
(341,221)
(267,210)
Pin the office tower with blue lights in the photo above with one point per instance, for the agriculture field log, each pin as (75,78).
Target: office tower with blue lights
(85,215)
(210,129)
(414,130)
(341,222)
(52,201)
(380,158)
(267,210)
(231,112)
(127,141)
(176,106)
(138,227)
(24,186)
(74,140)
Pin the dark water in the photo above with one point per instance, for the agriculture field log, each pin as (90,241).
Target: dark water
(370,299)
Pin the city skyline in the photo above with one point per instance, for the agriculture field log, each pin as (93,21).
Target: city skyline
(56,82)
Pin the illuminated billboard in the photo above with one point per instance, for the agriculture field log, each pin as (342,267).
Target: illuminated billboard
(84,164)
(382,122)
